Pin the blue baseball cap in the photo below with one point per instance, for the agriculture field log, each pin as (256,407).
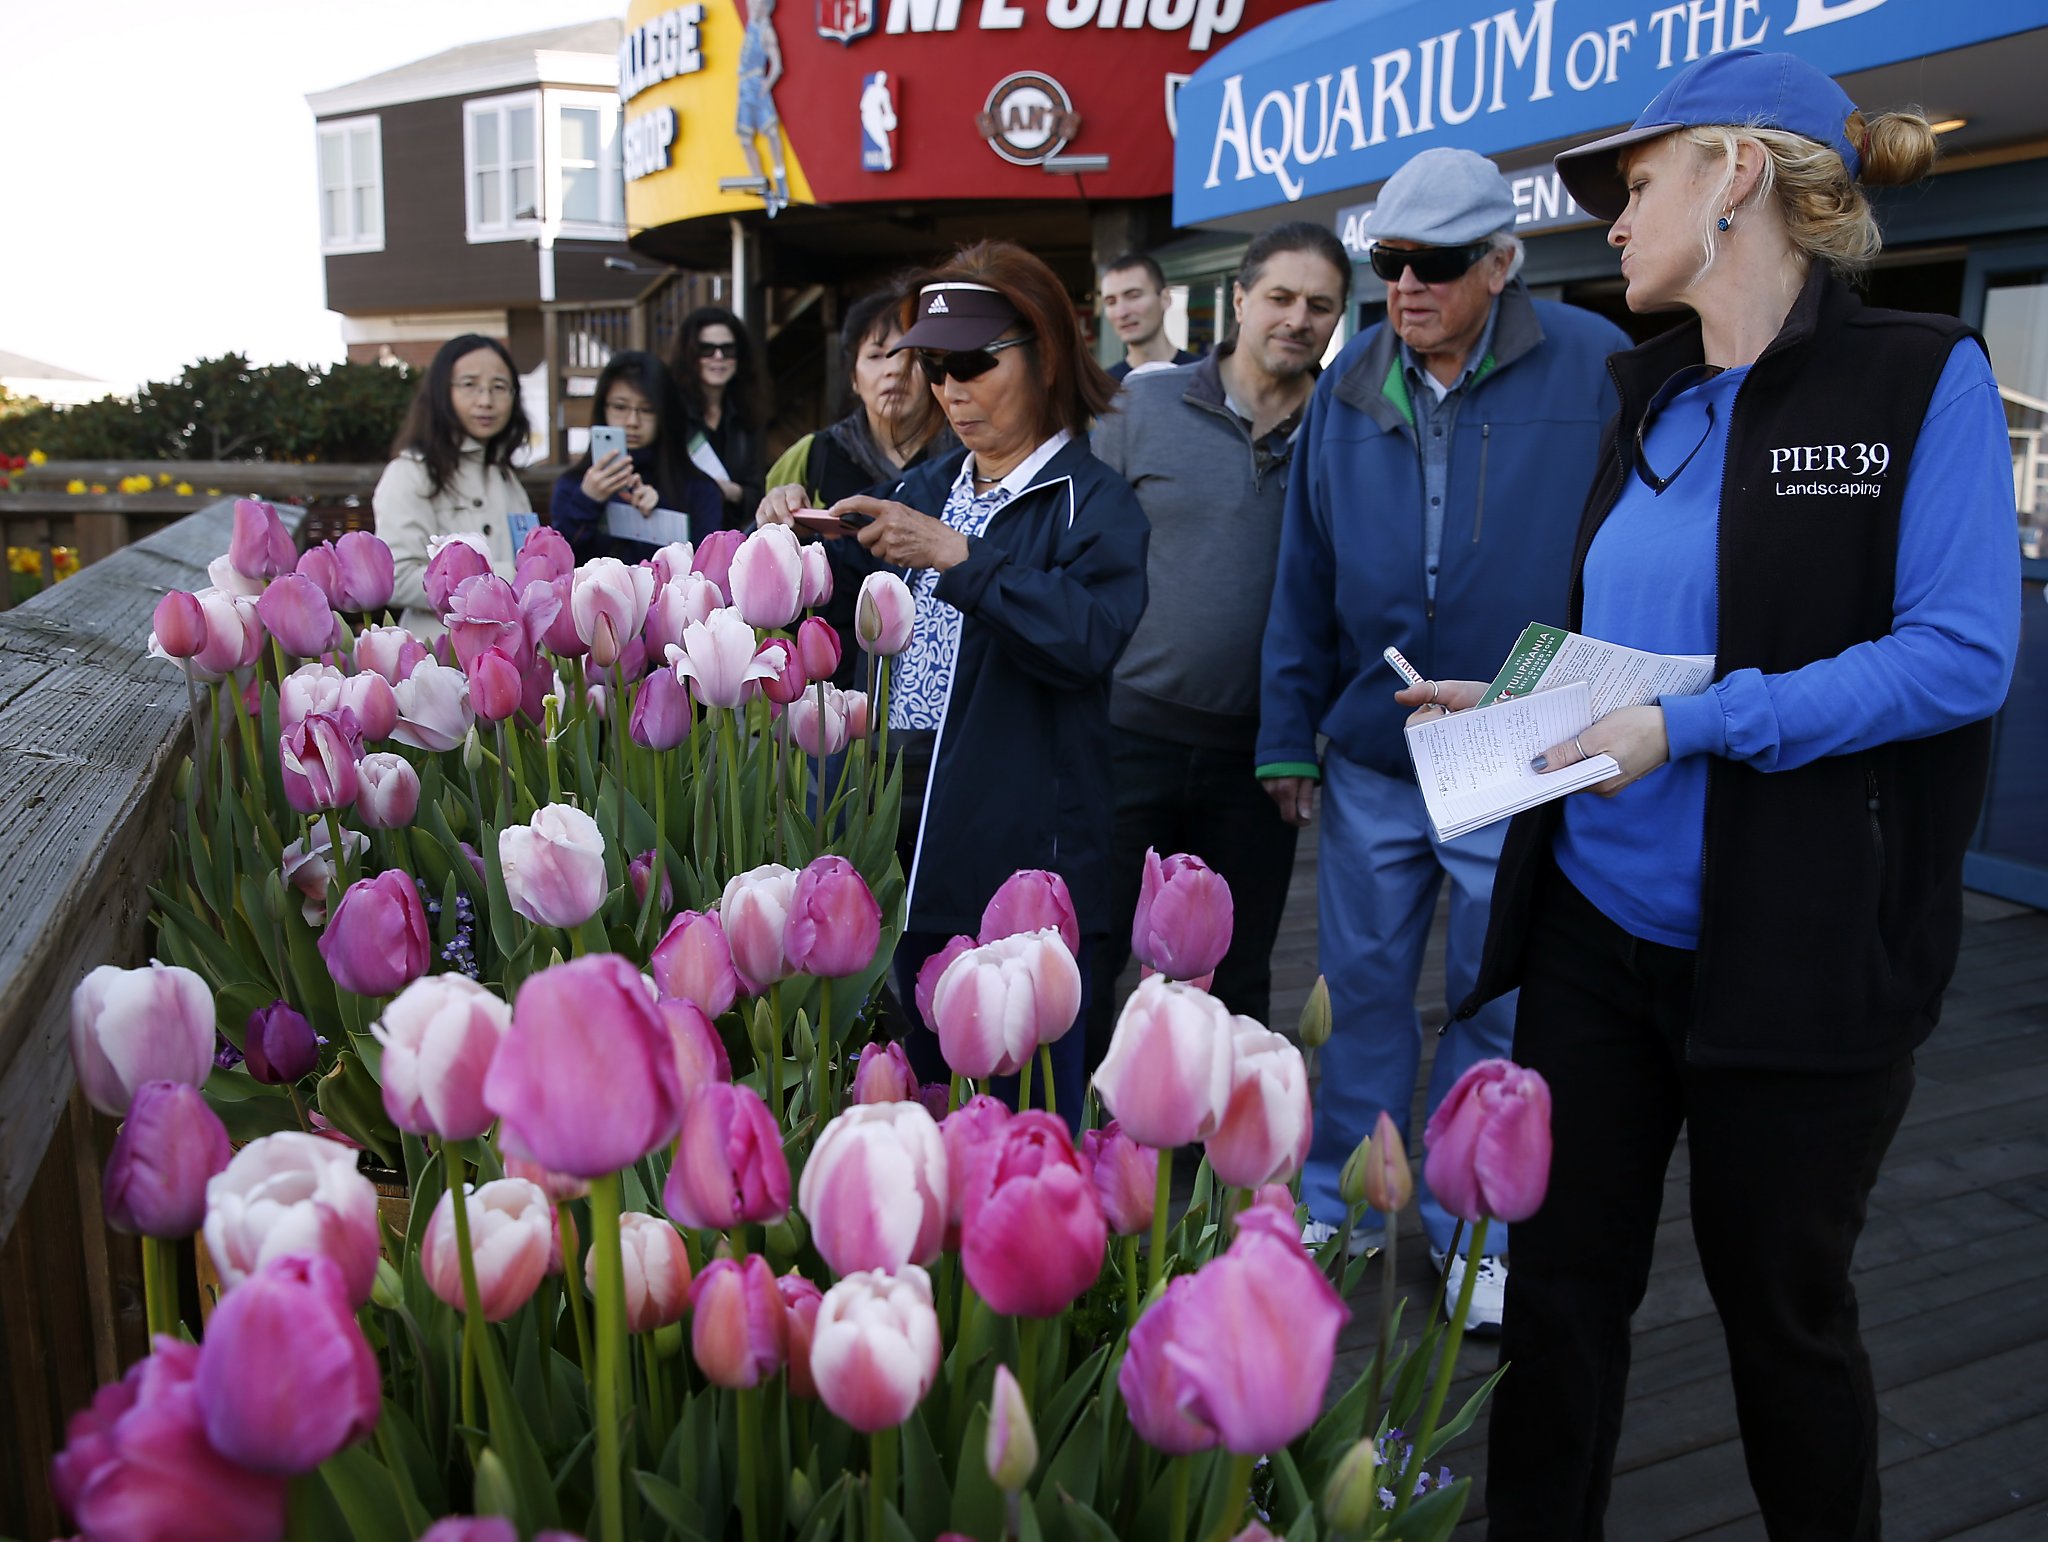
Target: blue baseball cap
(1740,89)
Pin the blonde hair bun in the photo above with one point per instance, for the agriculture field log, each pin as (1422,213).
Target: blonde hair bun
(1898,148)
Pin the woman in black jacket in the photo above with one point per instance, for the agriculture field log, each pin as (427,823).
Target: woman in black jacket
(636,394)
(719,374)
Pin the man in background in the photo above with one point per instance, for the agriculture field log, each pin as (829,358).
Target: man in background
(1134,300)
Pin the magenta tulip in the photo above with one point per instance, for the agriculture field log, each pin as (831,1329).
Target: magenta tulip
(693,962)
(1154,1388)
(376,942)
(317,761)
(296,613)
(884,1075)
(130,1026)
(387,791)
(511,1236)
(544,556)
(1489,1143)
(293,1193)
(375,704)
(787,682)
(550,618)
(834,923)
(739,1331)
(495,686)
(875,1348)
(260,546)
(1030,901)
(930,972)
(1126,1178)
(800,1300)
(713,558)
(608,602)
(363,572)
(970,1132)
(874,1188)
(179,624)
(754,911)
(390,651)
(279,1044)
(585,1078)
(554,866)
(1264,1134)
(317,563)
(997,1003)
(718,658)
(137,1465)
(472,1528)
(766,579)
(484,613)
(817,582)
(169,1146)
(455,560)
(1182,927)
(883,615)
(1032,1232)
(439,1036)
(292,1312)
(817,644)
(729,1169)
(661,712)
(657,1272)
(433,707)
(1167,1076)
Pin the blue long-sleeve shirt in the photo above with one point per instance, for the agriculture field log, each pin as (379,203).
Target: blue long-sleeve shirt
(1650,583)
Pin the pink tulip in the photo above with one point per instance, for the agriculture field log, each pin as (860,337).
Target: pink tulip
(225,576)
(1030,901)
(293,1193)
(818,720)
(376,941)
(1031,1229)
(439,1035)
(800,1300)
(834,924)
(137,1465)
(997,1003)
(279,1045)
(472,1528)
(454,560)
(693,962)
(729,1169)
(657,1272)
(260,546)
(293,1311)
(884,1075)
(390,651)
(671,562)
(640,874)
(875,1349)
(609,601)
(931,971)
(598,699)
(296,613)
(484,613)
(309,868)
(536,685)
(511,1233)
(130,1026)
(363,571)
(543,556)
(170,1144)
(495,686)
(317,761)
(739,1332)
(874,1188)
(1489,1143)
(661,712)
(585,1078)
(317,563)
(387,791)
(700,1053)
(817,587)
(754,911)
(1264,1135)
(551,618)
(433,707)
(971,1132)
(817,646)
(559,1187)
(677,603)
(375,704)
(883,615)
(554,866)
(1167,1076)
(1126,1178)
(1273,1211)
(633,658)
(718,657)
(766,579)
(310,688)
(179,624)
(1182,927)
(234,634)
(1155,1390)
(857,709)
(713,559)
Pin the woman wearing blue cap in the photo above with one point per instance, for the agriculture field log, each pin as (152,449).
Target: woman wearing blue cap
(1749,931)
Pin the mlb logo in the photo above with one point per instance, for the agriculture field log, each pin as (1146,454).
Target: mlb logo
(877,122)
(845,20)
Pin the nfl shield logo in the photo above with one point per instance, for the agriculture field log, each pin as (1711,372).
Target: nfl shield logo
(845,20)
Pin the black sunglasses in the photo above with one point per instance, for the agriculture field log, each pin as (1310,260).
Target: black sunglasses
(1684,380)
(1432,264)
(964,363)
(718,350)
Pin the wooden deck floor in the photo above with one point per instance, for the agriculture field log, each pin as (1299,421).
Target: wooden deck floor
(1952,1275)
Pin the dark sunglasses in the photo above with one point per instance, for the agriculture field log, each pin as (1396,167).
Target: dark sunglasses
(964,363)
(1433,264)
(718,350)
(1684,380)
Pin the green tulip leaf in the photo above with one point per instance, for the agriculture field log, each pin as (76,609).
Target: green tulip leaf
(927,1497)
(978,1507)
(673,1506)
(1453,1428)
(1074,1471)
(362,1488)
(354,1104)
(1290,1494)
(1435,1517)
(826,1514)
(1051,1425)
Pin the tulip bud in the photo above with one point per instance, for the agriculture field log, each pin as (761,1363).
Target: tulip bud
(1126,1178)
(1183,921)
(800,1302)
(389,1291)
(660,718)
(1010,1450)
(130,1026)
(817,644)
(1351,1179)
(554,866)
(817,578)
(280,1044)
(883,615)
(180,624)
(511,1235)
(754,910)
(657,1271)
(370,697)
(788,681)
(376,941)
(1388,1183)
(803,1043)
(876,1346)
(1351,1498)
(883,1075)
(766,578)
(729,1169)
(739,1328)
(608,602)
(1314,1029)
(494,686)
(693,962)
(1489,1143)
(834,923)
(170,1146)
(1031,900)
(641,872)
(387,791)
(297,614)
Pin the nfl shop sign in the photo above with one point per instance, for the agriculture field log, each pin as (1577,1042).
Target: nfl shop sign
(845,101)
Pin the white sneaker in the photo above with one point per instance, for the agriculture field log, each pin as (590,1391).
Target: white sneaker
(1489,1290)
(1363,1243)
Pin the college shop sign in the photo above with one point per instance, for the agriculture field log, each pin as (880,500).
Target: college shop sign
(1341,94)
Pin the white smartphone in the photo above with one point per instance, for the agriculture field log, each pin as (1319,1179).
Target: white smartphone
(606,439)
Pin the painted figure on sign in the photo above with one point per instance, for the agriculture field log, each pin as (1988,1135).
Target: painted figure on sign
(760,68)
(877,124)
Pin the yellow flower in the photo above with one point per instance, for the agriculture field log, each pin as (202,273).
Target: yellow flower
(64,560)
(163,479)
(100,487)
(214,492)
(139,483)
(38,458)
(75,485)
(184,490)
(23,559)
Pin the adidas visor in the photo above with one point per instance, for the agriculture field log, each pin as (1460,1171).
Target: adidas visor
(955,316)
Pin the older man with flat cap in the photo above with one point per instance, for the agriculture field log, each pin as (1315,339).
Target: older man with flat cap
(1441,468)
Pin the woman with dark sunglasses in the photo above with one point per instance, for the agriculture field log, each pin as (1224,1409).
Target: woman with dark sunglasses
(1748,932)
(720,380)
(1025,556)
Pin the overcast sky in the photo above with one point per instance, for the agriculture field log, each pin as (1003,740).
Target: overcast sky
(157,196)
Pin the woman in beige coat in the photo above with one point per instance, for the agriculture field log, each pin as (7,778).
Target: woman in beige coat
(451,473)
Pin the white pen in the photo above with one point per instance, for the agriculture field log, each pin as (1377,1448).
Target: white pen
(1401,666)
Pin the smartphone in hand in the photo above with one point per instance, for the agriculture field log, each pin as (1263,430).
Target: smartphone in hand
(606,439)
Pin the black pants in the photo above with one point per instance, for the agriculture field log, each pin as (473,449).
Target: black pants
(1179,797)
(1782,1166)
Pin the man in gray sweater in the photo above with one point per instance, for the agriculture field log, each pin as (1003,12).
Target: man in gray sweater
(1206,448)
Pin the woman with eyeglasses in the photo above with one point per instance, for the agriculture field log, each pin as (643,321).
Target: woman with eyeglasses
(716,370)
(1748,932)
(638,396)
(451,471)
(1025,556)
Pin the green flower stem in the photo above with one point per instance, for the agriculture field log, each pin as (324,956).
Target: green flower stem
(775,1051)
(1445,1368)
(1024,1084)
(1177,1511)
(967,1302)
(1386,1341)
(821,1091)
(157,1311)
(457,1168)
(881,1478)
(749,1414)
(1239,1491)
(880,722)
(953,1089)
(1155,1267)
(611,1349)
(549,728)
(1130,1281)
(729,753)
(1028,1329)
(618,715)
(657,1401)
(572,1286)
(1052,1103)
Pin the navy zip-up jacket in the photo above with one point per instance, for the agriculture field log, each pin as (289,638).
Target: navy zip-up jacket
(1351,580)
(1051,593)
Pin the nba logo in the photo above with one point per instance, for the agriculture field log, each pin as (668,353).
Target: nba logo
(877,123)
(844,20)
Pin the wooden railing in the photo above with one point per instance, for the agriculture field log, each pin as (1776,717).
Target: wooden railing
(583,335)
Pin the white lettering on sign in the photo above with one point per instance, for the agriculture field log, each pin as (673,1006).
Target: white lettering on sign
(1825,13)
(646,142)
(660,50)
(1857,459)
(1204,21)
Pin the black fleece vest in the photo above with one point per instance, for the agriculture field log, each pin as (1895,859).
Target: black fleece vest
(1831,897)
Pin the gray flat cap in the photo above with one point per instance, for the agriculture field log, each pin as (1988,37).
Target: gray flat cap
(1443,197)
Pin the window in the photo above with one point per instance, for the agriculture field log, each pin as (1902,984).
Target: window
(502,159)
(351,186)
(587,186)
